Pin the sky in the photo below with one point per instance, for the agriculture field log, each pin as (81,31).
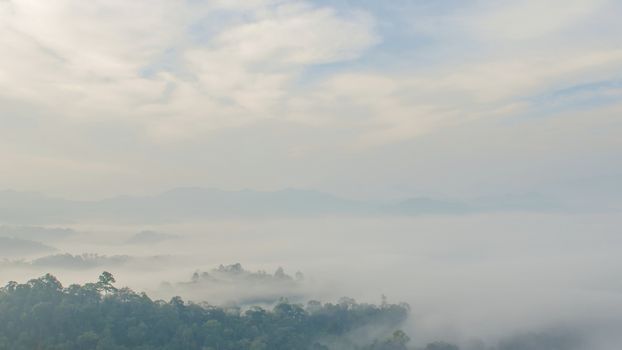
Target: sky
(363,99)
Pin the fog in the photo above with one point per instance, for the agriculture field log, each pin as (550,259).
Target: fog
(488,277)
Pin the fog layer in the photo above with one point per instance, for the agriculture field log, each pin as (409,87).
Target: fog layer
(488,276)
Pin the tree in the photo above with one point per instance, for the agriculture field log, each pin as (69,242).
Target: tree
(105,282)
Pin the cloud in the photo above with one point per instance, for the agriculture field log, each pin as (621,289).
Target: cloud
(90,57)
(94,56)
(392,107)
(115,90)
(297,34)
(530,19)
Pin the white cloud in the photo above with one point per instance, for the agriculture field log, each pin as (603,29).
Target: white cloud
(389,107)
(90,56)
(529,19)
(174,74)
(297,34)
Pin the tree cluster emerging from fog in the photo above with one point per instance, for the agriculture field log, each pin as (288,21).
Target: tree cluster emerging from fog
(236,272)
(42,314)
(233,284)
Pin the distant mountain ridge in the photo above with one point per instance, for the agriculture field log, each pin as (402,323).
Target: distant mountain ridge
(175,204)
(19,247)
(204,203)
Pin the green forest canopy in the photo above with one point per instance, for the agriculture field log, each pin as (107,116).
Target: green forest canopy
(42,314)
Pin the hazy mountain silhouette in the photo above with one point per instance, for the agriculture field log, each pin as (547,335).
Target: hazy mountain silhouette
(12,247)
(150,237)
(176,204)
(194,203)
(38,233)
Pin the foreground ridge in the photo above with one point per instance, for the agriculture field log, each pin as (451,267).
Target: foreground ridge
(42,314)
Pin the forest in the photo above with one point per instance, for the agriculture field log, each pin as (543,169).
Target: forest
(42,314)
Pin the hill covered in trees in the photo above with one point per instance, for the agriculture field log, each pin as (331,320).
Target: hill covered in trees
(233,284)
(42,314)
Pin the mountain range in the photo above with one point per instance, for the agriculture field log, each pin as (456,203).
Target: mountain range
(204,203)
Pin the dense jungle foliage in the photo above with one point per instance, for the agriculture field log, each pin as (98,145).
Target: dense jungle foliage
(42,314)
